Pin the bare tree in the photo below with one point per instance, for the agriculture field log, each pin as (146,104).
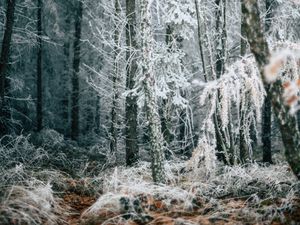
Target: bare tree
(5,51)
(116,82)
(131,141)
(65,76)
(244,146)
(75,78)
(39,104)
(200,41)
(267,109)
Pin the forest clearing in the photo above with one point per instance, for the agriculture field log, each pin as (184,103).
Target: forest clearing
(159,112)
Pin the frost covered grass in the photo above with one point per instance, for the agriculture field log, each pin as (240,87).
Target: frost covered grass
(197,191)
(254,193)
(26,193)
(265,181)
(31,204)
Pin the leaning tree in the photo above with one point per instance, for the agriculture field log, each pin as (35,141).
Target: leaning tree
(287,121)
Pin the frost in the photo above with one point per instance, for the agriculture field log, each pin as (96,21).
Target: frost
(239,92)
(181,15)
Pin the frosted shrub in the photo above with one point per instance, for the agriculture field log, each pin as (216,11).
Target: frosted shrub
(203,162)
(135,185)
(266,182)
(238,94)
(48,138)
(20,151)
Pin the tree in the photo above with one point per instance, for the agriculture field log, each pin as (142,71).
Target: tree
(131,136)
(4,62)
(287,122)
(153,120)
(165,109)
(200,40)
(39,105)
(75,77)
(116,82)
(267,109)
(225,146)
(65,76)
(244,108)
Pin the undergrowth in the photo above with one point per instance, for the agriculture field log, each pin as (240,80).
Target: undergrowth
(33,184)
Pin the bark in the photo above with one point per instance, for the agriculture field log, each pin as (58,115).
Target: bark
(164,109)
(267,108)
(4,62)
(244,147)
(116,83)
(243,30)
(200,40)
(65,79)
(39,104)
(131,134)
(75,77)
(98,116)
(155,135)
(267,126)
(288,124)
(221,37)
(224,149)
(182,128)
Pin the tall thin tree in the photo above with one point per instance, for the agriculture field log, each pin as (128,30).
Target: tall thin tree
(116,82)
(75,77)
(244,146)
(131,141)
(39,84)
(267,109)
(4,62)
(154,126)
(224,147)
(200,42)
(65,75)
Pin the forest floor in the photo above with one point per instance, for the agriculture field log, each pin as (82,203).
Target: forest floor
(60,184)
(157,213)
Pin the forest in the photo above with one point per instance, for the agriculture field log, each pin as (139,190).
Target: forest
(159,112)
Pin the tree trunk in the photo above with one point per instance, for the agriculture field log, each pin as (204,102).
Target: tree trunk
(75,77)
(288,124)
(164,109)
(267,109)
(221,36)
(5,51)
(98,116)
(243,30)
(131,134)
(244,147)
(156,139)
(200,41)
(224,150)
(65,79)
(116,83)
(39,104)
